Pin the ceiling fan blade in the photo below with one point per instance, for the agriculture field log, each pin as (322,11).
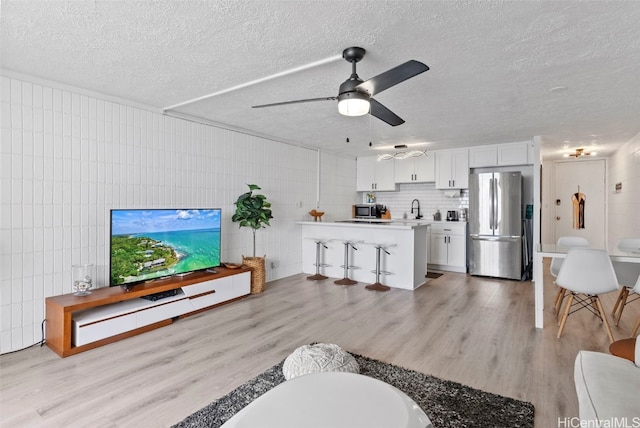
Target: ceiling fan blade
(296,102)
(384,114)
(392,77)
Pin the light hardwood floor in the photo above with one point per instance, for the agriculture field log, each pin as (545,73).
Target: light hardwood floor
(476,331)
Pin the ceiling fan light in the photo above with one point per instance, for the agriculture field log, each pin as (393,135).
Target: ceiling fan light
(353,104)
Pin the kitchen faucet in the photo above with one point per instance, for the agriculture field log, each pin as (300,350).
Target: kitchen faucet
(418,216)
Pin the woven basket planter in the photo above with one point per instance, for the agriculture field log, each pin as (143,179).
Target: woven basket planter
(258,272)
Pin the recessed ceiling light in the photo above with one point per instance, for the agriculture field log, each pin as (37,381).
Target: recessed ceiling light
(558,89)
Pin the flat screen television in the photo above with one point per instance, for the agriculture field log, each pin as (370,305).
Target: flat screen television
(146,244)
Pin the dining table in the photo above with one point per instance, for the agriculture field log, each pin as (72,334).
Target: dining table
(557,251)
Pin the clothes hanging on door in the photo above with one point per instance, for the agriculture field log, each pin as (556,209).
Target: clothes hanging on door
(578,200)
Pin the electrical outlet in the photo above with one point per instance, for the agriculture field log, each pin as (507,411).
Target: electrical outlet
(299,204)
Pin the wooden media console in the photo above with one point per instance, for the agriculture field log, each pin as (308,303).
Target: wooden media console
(79,323)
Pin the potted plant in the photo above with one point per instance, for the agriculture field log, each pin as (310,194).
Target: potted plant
(254,211)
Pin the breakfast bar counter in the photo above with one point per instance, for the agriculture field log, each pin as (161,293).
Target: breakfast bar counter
(406,242)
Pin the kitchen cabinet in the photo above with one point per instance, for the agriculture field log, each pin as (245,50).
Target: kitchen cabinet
(421,169)
(500,155)
(448,246)
(514,154)
(374,175)
(483,156)
(452,169)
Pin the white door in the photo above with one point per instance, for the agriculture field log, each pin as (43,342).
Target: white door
(580,200)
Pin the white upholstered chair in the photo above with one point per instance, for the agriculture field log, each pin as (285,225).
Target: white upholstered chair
(627,274)
(585,274)
(556,263)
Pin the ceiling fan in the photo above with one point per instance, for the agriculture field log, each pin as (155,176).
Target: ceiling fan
(355,95)
(578,153)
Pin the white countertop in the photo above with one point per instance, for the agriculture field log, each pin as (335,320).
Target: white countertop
(381,223)
(378,224)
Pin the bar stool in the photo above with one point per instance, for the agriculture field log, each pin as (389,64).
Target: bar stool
(346,280)
(318,277)
(377,286)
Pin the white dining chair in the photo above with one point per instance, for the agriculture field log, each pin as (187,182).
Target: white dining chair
(636,290)
(556,263)
(627,274)
(585,274)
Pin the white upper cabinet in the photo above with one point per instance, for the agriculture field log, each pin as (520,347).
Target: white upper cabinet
(500,155)
(483,156)
(374,175)
(514,154)
(420,169)
(452,169)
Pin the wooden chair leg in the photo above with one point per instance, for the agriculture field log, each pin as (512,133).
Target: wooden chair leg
(620,296)
(557,302)
(635,329)
(622,300)
(565,314)
(604,319)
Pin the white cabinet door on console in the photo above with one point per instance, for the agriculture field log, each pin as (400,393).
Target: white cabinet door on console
(242,284)
(209,293)
(163,312)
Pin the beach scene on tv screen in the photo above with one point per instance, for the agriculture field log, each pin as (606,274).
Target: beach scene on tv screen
(148,244)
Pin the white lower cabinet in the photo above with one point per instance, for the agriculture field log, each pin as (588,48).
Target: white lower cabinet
(448,246)
(112,319)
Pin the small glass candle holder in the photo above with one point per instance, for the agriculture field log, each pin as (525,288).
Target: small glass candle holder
(82,278)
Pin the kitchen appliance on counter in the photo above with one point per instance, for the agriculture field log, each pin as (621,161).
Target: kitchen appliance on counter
(463,214)
(368,211)
(495,224)
(436,216)
(452,215)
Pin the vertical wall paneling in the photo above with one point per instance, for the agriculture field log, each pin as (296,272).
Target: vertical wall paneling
(67,158)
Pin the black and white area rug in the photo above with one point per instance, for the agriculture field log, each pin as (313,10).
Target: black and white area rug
(448,404)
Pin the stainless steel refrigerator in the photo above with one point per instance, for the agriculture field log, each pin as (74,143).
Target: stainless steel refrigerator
(495,224)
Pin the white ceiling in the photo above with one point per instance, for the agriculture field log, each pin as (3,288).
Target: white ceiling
(493,65)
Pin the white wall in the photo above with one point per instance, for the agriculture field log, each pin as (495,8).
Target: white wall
(68,157)
(624,207)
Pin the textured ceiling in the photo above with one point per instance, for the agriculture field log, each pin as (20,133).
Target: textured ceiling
(493,64)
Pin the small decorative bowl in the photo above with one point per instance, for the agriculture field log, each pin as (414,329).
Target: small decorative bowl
(232,265)
(317,215)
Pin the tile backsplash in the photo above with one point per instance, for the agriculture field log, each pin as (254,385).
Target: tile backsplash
(430,198)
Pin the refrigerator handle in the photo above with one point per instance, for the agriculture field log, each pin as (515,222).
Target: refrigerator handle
(491,204)
(496,202)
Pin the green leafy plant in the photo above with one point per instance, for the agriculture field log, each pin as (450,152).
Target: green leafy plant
(252,210)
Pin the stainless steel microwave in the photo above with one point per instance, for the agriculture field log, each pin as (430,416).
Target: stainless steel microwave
(368,211)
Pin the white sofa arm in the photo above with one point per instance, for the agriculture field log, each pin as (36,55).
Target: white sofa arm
(607,386)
